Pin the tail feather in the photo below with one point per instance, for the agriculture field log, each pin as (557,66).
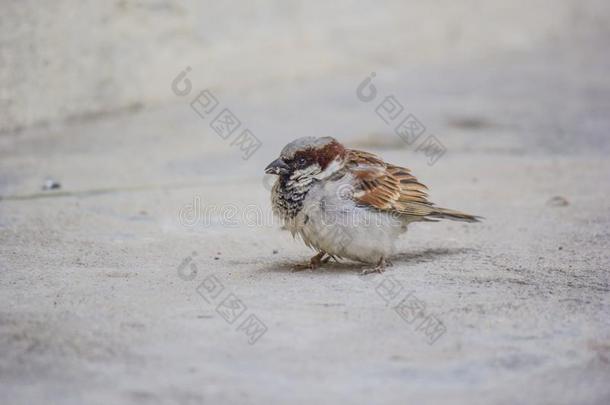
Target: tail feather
(454,215)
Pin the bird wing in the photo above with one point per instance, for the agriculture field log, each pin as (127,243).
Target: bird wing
(387,187)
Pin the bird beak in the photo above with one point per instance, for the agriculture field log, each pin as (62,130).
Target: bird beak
(278,166)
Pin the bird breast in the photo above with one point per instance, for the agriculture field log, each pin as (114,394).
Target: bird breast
(331,221)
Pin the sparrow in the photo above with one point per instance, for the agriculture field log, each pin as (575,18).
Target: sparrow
(346,203)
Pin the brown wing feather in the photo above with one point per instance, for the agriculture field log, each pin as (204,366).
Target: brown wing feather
(393,188)
(387,187)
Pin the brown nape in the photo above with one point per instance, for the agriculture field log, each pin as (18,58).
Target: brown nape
(328,153)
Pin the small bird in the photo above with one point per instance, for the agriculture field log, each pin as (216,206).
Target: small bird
(346,203)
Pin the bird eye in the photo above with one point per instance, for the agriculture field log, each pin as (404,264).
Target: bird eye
(301,161)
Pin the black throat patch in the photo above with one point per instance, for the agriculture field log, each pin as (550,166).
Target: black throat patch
(290,194)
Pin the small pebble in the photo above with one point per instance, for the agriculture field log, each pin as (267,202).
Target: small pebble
(51,184)
(558,201)
(560,247)
(216,258)
(275,251)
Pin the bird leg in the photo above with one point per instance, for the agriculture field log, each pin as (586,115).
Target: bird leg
(380,268)
(315,262)
(318,260)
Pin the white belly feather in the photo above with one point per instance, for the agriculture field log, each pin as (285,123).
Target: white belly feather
(331,221)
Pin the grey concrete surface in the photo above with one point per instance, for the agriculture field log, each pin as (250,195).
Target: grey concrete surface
(67,59)
(95,310)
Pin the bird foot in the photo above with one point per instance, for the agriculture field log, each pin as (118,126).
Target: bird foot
(315,262)
(380,268)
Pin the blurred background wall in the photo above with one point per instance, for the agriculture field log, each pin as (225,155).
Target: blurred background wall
(73,59)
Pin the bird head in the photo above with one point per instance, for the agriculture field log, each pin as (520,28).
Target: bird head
(308,157)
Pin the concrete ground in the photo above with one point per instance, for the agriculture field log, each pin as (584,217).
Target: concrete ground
(114,287)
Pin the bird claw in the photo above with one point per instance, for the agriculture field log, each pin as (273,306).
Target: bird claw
(380,268)
(315,262)
(300,267)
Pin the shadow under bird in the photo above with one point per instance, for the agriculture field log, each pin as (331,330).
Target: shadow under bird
(346,203)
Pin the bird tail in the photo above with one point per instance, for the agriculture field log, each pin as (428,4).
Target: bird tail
(454,215)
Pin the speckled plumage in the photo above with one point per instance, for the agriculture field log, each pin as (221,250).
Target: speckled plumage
(347,203)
